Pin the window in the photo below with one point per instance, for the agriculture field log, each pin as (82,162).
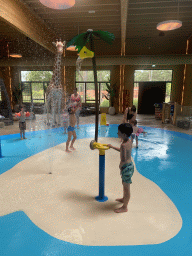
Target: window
(34,84)
(86,87)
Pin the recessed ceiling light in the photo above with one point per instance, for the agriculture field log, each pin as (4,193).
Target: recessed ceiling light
(91,11)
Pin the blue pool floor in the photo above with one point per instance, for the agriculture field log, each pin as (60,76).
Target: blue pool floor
(163,157)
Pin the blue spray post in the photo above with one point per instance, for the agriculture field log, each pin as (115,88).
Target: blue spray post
(102,147)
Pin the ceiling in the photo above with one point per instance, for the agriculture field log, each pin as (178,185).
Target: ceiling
(133,22)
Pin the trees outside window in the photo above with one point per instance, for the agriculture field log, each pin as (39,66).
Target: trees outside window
(35,84)
(86,87)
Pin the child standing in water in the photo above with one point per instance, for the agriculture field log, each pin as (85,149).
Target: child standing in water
(126,165)
(136,132)
(22,123)
(71,129)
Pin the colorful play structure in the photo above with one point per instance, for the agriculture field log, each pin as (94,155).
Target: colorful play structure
(80,42)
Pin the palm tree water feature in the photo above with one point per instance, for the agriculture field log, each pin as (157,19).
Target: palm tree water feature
(80,41)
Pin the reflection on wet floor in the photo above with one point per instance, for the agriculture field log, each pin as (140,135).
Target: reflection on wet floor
(143,120)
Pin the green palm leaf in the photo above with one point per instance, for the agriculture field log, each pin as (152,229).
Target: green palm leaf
(105,36)
(81,40)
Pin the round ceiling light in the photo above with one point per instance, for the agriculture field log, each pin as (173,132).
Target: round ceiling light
(58,4)
(169,25)
(15,55)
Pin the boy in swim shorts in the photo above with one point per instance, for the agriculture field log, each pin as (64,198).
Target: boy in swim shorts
(71,129)
(126,165)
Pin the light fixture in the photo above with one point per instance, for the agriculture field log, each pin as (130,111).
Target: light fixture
(71,48)
(58,4)
(15,55)
(14,49)
(170,24)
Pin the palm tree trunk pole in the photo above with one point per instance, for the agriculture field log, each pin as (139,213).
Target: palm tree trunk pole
(96,90)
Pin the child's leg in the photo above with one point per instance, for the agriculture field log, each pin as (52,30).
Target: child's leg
(24,134)
(21,132)
(136,141)
(68,140)
(126,197)
(74,138)
(65,128)
(77,113)
(65,125)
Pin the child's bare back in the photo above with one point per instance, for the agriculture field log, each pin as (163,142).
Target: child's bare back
(125,153)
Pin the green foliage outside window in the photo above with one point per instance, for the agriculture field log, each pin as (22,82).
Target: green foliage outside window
(152,75)
(104,104)
(38,76)
(88,76)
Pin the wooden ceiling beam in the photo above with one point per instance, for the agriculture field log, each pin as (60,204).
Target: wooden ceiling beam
(124,13)
(43,11)
(87,18)
(180,59)
(17,15)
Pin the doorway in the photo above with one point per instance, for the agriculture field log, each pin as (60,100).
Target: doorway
(149,94)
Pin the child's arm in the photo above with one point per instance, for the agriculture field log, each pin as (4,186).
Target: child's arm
(125,116)
(110,146)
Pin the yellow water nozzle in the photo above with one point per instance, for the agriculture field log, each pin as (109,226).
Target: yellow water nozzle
(97,145)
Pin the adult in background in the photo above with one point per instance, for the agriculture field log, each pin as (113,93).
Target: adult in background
(76,98)
(130,115)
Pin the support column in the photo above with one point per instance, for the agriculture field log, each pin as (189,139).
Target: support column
(115,79)
(187,97)
(129,82)
(177,83)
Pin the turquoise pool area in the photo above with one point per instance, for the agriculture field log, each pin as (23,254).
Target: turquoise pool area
(164,157)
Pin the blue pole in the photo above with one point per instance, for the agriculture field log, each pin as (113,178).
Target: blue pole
(0,150)
(101,197)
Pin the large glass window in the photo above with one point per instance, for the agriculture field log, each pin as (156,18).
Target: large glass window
(34,84)
(86,87)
